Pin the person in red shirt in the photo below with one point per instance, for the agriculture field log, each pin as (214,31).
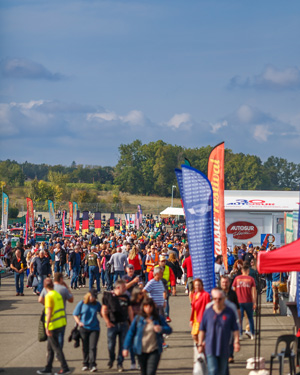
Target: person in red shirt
(244,286)
(199,299)
(187,265)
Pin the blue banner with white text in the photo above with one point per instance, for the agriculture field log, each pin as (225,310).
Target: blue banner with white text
(198,205)
(298,273)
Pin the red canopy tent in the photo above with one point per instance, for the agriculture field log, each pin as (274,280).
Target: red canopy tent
(284,259)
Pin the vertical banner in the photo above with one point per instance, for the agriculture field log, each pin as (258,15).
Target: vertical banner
(97,223)
(127,220)
(215,174)
(140,213)
(51,213)
(198,202)
(27,228)
(121,225)
(5,204)
(85,222)
(63,223)
(70,215)
(75,209)
(298,273)
(112,215)
(137,220)
(178,173)
(30,213)
(112,225)
(77,223)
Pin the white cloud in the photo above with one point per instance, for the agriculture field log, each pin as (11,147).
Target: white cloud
(270,78)
(245,113)
(217,126)
(261,133)
(134,118)
(20,68)
(179,120)
(105,116)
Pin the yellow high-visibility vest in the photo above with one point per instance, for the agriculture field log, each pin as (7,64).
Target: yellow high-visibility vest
(58,316)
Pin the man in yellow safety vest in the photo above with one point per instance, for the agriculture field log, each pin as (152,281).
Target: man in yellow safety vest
(55,321)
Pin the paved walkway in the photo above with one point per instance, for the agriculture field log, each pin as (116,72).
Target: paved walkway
(22,354)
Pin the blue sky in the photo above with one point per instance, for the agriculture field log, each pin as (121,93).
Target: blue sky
(78,78)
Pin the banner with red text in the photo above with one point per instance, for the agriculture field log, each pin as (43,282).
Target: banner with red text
(30,213)
(215,174)
(77,223)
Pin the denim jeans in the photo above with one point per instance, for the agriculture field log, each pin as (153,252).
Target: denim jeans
(53,346)
(41,279)
(118,273)
(61,336)
(19,282)
(89,346)
(108,279)
(120,329)
(75,274)
(217,365)
(269,291)
(149,362)
(94,274)
(248,307)
(58,267)
(102,277)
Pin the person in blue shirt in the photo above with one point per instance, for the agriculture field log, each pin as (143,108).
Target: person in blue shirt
(85,315)
(74,264)
(145,337)
(217,324)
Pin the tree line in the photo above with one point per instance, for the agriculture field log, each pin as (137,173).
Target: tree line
(148,169)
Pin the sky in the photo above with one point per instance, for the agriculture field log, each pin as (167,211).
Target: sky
(80,77)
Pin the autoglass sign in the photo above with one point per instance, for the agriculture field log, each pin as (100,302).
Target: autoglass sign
(242,230)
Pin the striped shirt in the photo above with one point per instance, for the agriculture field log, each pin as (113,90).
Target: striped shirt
(156,291)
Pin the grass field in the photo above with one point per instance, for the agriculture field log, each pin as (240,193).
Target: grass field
(129,202)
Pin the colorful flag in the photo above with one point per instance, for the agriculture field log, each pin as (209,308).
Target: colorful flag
(215,175)
(97,223)
(70,215)
(75,209)
(5,205)
(27,228)
(137,220)
(198,202)
(63,223)
(140,213)
(298,273)
(127,220)
(121,226)
(112,225)
(77,223)
(51,213)
(30,213)
(85,222)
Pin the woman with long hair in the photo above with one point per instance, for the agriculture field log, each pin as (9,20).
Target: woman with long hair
(134,258)
(145,336)
(85,315)
(175,266)
(199,299)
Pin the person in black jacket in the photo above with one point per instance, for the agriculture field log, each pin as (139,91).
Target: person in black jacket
(19,265)
(41,269)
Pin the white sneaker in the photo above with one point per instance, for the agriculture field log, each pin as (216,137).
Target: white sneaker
(133,366)
(252,336)
(241,337)
(84,368)
(247,333)
(93,369)
(186,291)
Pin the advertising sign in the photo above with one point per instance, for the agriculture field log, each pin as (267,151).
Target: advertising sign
(242,230)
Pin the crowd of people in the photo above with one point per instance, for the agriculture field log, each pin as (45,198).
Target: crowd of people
(136,272)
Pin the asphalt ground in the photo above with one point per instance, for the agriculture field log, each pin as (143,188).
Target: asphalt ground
(22,354)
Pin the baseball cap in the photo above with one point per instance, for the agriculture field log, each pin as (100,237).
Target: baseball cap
(93,247)
(162,257)
(170,246)
(130,266)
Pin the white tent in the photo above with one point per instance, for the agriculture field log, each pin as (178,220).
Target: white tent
(172,211)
